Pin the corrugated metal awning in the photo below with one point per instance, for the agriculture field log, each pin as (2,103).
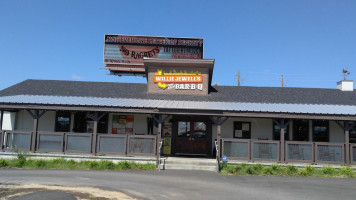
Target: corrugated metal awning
(182,105)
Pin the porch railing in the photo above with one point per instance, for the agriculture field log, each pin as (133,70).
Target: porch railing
(299,151)
(265,150)
(236,148)
(353,153)
(141,145)
(17,140)
(50,141)
(68,142)
(78,142)
(329,152)
(295,151)
(112,144)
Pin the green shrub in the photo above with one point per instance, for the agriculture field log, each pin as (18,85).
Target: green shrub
(347,171)
(277,169)
(304,172)
(328,170)
(40,163)
(291,170)
(268,171)
(93,164)
(124,165)
(20,162)
(257,168)
(310,169)
(107,164)
(249,170)
(3,163)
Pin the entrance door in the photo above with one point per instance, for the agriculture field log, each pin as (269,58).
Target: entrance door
(191,137)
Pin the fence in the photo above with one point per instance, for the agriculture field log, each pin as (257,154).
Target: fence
(62,142)
(299,151)
(295,151)
(353,153)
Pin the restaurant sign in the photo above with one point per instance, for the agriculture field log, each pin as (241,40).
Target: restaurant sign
(181,80)
(126,53)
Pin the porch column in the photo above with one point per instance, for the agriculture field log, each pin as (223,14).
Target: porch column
(282,125)
(218,123)
(1,120)
(95,117)
(36,115)
(347,147)
(95,132)
(2,135)
(159,120)
(282,143)
(159,140)
(347,127)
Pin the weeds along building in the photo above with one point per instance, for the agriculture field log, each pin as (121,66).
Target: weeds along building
(180,107)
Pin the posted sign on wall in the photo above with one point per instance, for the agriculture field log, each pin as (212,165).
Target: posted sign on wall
(126,52)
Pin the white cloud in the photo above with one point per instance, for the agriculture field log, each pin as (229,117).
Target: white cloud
(76,77)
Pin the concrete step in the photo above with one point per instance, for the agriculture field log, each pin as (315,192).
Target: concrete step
(187,167)
(188,163)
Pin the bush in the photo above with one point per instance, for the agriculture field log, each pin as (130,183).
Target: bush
(277,169)
(347,171)
(310,169)
(107,164)
(291,170)
(93,164)
(268,171)
(304,172)
(328,170)
(3,163)
(40,163)
(124,165)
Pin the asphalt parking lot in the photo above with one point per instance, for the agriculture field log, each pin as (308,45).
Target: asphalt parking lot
(180,185)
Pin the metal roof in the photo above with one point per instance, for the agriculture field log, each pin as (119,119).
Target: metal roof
(183,105)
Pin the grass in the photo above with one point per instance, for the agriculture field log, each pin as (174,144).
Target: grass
(23,162)
(289,170)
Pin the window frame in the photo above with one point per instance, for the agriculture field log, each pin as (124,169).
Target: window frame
(65,115)
(327,128)
(244,136)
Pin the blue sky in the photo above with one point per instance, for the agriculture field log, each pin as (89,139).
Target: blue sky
(309,42)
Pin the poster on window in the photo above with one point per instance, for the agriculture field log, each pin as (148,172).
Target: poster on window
(167,130)
(122,124)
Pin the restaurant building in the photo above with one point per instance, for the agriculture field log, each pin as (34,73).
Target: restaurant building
(180,107)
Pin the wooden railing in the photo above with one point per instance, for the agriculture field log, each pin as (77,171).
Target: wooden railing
(68,142)
(299,151)
(353,153)
(295,151)
(17,140)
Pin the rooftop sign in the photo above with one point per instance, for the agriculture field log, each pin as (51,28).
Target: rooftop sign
(124,53)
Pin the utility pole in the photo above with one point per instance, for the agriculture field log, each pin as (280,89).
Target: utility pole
(238,78)
(282,82)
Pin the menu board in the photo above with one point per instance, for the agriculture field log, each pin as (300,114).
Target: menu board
(122,124)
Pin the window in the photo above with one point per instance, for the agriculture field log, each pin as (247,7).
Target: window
(277,132)
(242,130)
(62,121)
(301,130)
(84,124)
(352,133)
(320,131)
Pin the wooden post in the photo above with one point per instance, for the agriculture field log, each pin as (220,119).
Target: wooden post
(1,120)
(34,132)
(95,131)
(347,147)
(282,142)
(218,138)
(159,136)
(2,135)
